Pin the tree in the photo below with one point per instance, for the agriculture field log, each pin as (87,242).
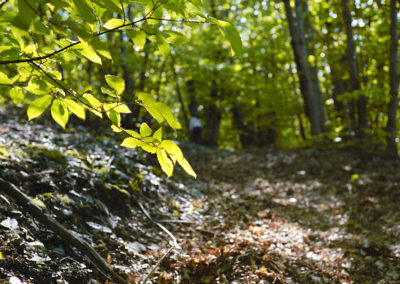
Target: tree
(46,43)
(394,82)
(362,122)
(302,65)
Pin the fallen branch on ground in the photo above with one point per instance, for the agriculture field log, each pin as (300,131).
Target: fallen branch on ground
(29,206)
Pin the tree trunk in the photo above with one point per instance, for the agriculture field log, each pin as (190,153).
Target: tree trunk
(393,81)
(303,68)
(309,32)
(212,117)
(179,94)
(362,121)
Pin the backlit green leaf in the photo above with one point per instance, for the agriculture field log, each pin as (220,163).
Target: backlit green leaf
(167,114)
(116,83)
(113,23)
(4,79)
(17,95)
(75,108)
(138,37)
(174,151)
(231,34)
(163,45)
(38,106)
(166,164)
(149,103)
(121,108)
(115,117)
(59,113)
(158,134)
(88,51)
(130,142)
(84,10)
(145,130)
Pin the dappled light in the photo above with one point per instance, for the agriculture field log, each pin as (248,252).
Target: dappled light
(194,141)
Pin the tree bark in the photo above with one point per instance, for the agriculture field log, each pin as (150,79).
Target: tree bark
(212,117)
(309,32)
(303,68)
(393,81)
(362,119)
(179,94)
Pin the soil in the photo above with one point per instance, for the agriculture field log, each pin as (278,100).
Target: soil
(251,216)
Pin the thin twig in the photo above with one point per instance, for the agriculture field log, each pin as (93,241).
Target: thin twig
(156,265)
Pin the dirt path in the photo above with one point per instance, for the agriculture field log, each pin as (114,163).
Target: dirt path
(290,217)
(262,216)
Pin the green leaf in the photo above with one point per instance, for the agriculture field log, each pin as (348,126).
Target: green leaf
(130,142)
(25,14)
(145,130)
(138,37)
(121,108)
(158,134)
(113,5)
(187,167)
(87,50)
(163,45)
(171,148)
(4,79)
(148,102)
(84,10)
(108,92)
(132,133)
(59,113)
(231,34)
(113,23)
(115,117)
(75,108)
(167,114)
(116,83)
(38,106)
(174,151)
(176,38)
(94,103)
(166,164)
(17,95)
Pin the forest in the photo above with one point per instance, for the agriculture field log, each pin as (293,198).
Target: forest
(199,141)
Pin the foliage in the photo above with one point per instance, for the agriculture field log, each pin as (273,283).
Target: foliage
(47,44)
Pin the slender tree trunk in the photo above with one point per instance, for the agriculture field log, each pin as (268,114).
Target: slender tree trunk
(309,32)
(212,118)
(179,94)
(159,80)
(393,80)
(362,121)
(303,68)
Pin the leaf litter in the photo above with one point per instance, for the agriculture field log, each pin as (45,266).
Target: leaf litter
(252,216)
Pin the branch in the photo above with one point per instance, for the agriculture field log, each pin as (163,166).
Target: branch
(29,206)
(3,3)
(39,58)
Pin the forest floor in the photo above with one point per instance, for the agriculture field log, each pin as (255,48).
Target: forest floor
(254,216)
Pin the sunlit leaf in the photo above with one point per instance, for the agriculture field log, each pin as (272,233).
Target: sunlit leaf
(116,83)
(166,164)
(158,134)
(17,95)
(38,106)
(163,45)
(59,113)
(4,79)
(138,37)
(113,23)
(145,130)
(75,108)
